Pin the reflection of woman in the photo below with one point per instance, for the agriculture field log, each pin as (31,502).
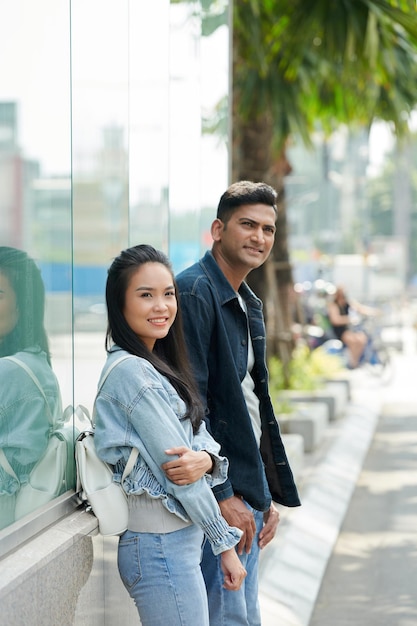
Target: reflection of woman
(24,424)
(150,402)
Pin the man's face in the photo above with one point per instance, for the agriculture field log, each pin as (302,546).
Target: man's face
(246,240)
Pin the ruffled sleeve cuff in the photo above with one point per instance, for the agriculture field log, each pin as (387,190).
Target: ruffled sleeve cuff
(220,466)
(221,536)
(219,473)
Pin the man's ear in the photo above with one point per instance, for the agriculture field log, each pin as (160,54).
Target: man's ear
(217,229)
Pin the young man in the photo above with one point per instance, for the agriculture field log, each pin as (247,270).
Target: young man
(225,333)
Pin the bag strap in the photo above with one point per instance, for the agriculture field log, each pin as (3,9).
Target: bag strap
(107,372)
(6,465)
(112,366)
(134,453)
(80,411)
(36,381)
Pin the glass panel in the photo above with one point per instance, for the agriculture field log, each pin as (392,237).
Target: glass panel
(100,111)
(214,112)
(35,242)
(185,133)
(199,78)
(148,132)
(131,100)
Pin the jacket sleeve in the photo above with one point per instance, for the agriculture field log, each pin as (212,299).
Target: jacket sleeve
(196,498)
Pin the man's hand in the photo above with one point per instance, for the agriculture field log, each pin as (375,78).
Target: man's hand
(189,467)
(237,514)
(271,521)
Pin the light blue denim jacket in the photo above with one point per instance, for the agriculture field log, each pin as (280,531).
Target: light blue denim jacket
(138,407)
(24,425)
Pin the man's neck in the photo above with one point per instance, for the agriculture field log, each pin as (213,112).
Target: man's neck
(232,273)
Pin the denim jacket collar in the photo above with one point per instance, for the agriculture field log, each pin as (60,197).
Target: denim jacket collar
(220,283)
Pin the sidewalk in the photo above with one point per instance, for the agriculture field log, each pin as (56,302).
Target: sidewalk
(294,565)
(371,578)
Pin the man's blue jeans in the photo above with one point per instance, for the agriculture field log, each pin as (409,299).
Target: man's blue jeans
(234,608)
(163,576)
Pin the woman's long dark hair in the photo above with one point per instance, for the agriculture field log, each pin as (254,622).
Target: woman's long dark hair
(26,281)
(169,355)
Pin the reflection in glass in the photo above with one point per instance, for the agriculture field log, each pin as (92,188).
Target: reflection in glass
(149,99)
(24,423)
(198,124)
(35,157)
(100,114)
(100,169)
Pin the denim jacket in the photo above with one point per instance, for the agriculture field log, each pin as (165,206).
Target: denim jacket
(138,407)
(216,329)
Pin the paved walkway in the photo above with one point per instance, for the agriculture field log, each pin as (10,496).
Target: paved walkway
(371,578)
(305,572)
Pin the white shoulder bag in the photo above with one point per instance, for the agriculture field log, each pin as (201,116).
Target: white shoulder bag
(107,499)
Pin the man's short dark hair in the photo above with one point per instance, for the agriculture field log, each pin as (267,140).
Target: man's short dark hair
(245,192)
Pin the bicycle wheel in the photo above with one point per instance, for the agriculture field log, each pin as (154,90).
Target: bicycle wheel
(379,363)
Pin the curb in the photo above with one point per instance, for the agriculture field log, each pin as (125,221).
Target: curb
(293,565)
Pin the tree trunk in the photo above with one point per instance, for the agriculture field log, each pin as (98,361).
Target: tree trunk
(272,282)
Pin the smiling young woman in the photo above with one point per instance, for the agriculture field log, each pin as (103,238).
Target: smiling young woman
(150,402)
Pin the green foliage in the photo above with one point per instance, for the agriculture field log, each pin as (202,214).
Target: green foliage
(282,406)
(306,370)
(216,123)
(334,61)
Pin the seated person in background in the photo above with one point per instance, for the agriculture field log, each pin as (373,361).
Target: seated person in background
(339,311)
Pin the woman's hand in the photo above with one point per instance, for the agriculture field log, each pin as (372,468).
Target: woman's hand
(189,467)
(233,570)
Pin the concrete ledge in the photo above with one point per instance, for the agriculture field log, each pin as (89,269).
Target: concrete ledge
(341,390)
(294,447)
(335,395)
(310,420)
(40,582)
(343,380)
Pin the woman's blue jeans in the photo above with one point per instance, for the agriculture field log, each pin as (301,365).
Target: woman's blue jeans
(162,574)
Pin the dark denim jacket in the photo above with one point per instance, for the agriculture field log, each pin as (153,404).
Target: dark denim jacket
(216,332)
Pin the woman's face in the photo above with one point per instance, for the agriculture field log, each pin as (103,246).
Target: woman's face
(150,303)
(340,296)
(8,307)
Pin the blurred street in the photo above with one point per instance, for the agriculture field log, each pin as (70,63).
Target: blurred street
(349,554)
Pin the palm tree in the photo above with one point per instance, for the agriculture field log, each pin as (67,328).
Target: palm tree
(297,65)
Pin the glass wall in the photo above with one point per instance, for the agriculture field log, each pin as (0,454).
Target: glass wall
(113,131)
(35,246)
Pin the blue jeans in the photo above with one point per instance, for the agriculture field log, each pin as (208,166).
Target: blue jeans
(234,608)
(163,576)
